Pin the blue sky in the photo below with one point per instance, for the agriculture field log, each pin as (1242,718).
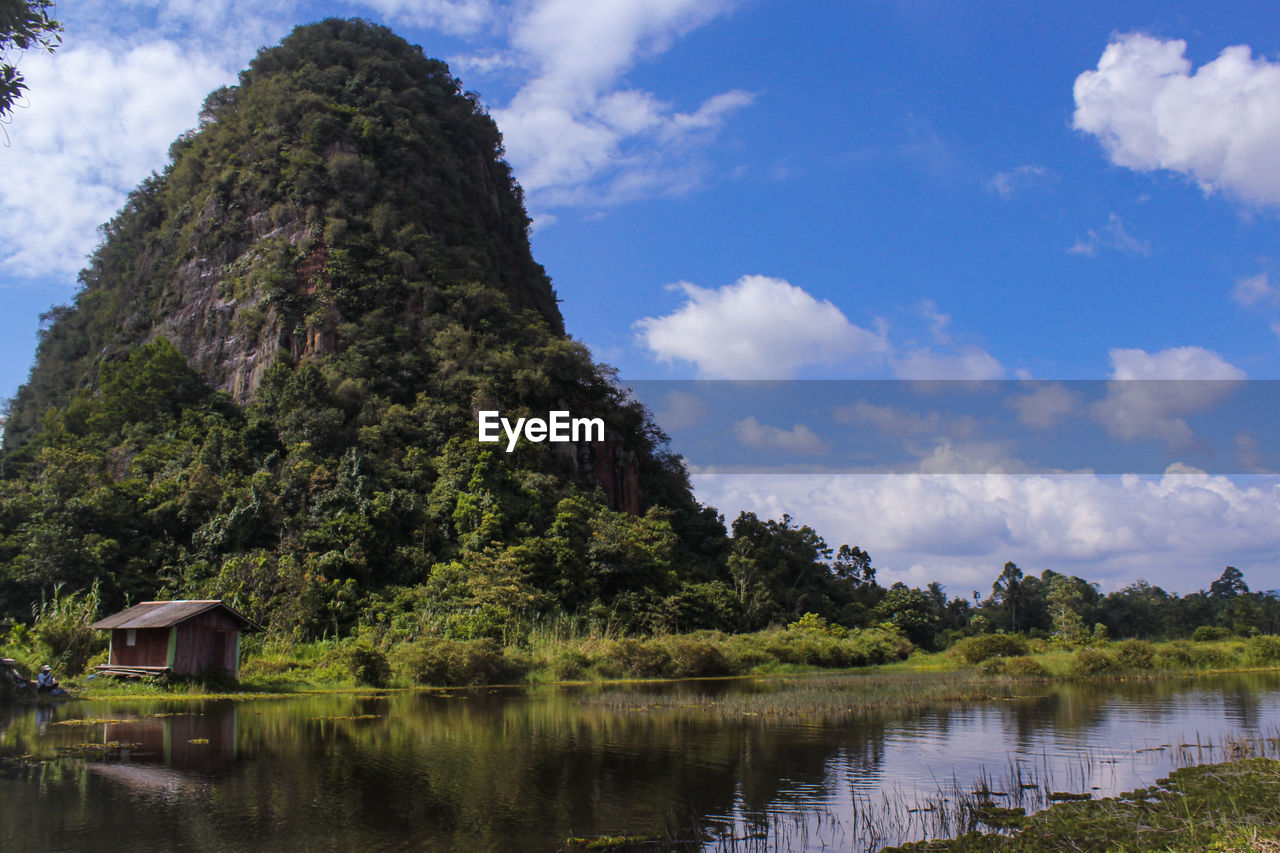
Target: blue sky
(873,190)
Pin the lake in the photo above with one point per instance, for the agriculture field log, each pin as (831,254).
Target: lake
(525,769)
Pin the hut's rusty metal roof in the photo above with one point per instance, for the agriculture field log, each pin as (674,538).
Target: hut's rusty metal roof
(163,614)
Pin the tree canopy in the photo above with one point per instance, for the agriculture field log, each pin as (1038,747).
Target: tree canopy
(24,25)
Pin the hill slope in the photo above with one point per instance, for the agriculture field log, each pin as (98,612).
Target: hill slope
(266,387)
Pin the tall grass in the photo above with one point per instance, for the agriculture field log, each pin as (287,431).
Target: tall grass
(59,634)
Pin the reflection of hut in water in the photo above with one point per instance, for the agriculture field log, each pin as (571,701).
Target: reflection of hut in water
(178,637)
(172,755)
(202,742)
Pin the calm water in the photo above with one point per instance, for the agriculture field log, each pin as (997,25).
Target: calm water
(524,770)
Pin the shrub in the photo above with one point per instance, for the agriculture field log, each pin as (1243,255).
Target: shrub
(1092,662)
(1211,657)
(1176,654)
(1134,654)
(745,651)
(974,650)
(364,663)
(815,623)
(877,645)
(1209,634)
(457,662)
(696,657)
(640,658)
(1262,650)
(807,648)
(569,664)
(1019,665)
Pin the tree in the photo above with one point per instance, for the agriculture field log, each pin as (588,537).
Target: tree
(1228,585)
(24,24)
(1065,599)
(1007,592)
(910,612)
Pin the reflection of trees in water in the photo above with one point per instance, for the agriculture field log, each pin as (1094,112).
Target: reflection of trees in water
(465,771)
(481,770)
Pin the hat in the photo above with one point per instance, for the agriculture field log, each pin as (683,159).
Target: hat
(44,668)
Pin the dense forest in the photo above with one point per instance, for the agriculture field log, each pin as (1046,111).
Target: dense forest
(265,392)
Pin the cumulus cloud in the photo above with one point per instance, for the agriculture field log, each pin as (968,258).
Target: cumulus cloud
(1112,236)
(901,421)
(456,17)
(797,440)
(1137,407)
(100,119)
(1255,290)
(1181,527)
(680,410)
(1219,126)
(1176,363)
(575,133)
(1045,406)
(1015,181)
(969,362)
(758,328)
(945,359)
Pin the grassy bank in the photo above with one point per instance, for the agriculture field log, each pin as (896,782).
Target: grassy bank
(543,657)
(808,645)
(543,654)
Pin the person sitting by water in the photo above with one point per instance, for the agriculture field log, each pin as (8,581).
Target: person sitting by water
(45,680)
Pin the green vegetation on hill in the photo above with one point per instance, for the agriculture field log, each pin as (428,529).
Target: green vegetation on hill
(265,392)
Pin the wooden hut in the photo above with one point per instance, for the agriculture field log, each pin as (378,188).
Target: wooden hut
(178,637)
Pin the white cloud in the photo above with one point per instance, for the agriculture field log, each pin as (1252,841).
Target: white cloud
(1219,126)
(1275,328)
(1137,407)
(1045,406)
(939,323)
(1176,363)
(1015,181)
(100,120)
(799,439)
(968,362)
(758,328)
(901,421)
(456,17)
(575,133)
(680,409)
(1181,527)
(948,360)
(1111,236)
(1255,290)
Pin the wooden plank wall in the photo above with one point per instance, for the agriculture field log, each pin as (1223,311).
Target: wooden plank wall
(151,647)
(206,642)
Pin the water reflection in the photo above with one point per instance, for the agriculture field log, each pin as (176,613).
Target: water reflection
(525,770)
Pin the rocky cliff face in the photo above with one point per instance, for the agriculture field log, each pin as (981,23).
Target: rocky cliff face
(344,160)
(346,206)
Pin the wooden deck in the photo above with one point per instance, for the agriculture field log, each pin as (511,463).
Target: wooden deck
(120,671)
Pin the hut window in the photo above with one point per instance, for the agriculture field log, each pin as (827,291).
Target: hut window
(131,637)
